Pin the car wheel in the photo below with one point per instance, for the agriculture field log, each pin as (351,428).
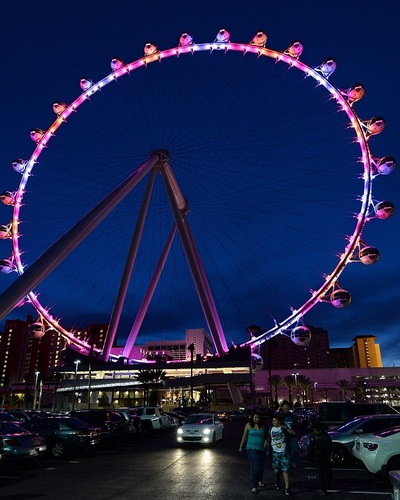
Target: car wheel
(58,449)
(393,464)
(339,455)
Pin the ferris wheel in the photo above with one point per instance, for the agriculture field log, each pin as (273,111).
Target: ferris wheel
(218,167)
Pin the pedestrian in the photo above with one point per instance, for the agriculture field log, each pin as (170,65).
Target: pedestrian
(319,451)
(291,422)
(277,440)
(254,441)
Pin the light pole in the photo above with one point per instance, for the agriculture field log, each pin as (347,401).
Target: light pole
(191,349)
(296,387)
(76,377)
(314,391)
(36,387)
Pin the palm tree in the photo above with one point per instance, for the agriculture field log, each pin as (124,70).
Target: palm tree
(345,386)
(275,381)
(145,377)
(157,375)
(304,383)
(290,382)
(360,390)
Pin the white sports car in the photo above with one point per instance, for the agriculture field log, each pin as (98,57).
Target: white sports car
(379,452)
(204,428)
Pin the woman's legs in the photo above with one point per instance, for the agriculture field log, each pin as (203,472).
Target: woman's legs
(257,461)
(253,459)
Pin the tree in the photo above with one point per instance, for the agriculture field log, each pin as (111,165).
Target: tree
(276,381)
(360,390)
(304,383)
(157,376)
(290,382)
(345,386)
(145,377)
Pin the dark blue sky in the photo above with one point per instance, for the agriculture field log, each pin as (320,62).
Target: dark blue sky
(267,229)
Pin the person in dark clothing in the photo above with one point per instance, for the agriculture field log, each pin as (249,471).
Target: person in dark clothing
(291,422)
(319,451)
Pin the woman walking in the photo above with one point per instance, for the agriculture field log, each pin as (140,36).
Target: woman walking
(253,439)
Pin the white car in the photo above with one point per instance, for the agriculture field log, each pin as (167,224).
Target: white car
(380,452)
(343,437)
(153,414)
(204,428)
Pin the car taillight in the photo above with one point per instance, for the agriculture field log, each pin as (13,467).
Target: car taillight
(371,446)
(12,442)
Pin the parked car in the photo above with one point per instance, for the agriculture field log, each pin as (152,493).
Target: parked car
(180,417)
(235,415)
(173,417)
(305,413)
(394,477)
(203,428)
(335,413)
(133,423)
(111,422)
(232,415)
(24,415)
(343,437)
(19,443)
(7,417)
(187,410)
(380,452)
(153,415)
(65,434)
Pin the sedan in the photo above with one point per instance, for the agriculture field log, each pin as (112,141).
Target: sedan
(380,453)
(343,437)
(64,434)
(204,428)
(18,443)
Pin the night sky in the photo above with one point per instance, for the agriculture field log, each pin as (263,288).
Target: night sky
(267,164)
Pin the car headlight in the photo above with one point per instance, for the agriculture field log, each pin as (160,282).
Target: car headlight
(180,431)
(206,431)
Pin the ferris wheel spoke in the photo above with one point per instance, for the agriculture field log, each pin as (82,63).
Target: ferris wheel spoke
(265,151)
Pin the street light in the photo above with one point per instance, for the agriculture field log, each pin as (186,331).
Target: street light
(35,393)
(297,389)
(76,377)
(191,350)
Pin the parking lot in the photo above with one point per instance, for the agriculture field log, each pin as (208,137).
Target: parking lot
(155,467)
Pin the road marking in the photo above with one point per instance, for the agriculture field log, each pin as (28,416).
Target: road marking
(356,492)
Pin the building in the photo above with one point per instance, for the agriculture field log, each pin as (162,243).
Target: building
(26,358)
(281,352)
(22,354)
(366,353)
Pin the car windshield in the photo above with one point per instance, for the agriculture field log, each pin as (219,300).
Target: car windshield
(199,419)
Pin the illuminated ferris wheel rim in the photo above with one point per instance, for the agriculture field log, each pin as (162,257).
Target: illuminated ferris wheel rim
(257,46)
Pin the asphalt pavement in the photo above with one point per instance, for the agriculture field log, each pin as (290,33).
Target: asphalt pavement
(156,468)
